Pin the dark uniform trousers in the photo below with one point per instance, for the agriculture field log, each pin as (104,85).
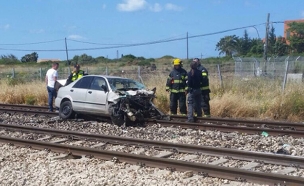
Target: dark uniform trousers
(181,99)
(194,103)
(205,103)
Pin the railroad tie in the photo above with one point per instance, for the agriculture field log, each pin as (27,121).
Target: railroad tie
(284,171)
(44,138)
(60,140)
(98,145)
(164,154)
(250,165)
(190,157)
(219,161)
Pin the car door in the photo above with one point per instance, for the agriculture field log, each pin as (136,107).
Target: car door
(78,93)
(96,98)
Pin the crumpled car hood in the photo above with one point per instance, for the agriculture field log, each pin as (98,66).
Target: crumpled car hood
(115,96)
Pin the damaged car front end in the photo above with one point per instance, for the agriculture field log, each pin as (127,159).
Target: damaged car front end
(133,106)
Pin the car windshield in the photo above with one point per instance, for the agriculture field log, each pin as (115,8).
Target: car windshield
(125,84)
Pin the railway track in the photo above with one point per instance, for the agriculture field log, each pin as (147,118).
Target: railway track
(226,125)
(211,169)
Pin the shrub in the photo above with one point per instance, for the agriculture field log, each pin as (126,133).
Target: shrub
(30,99)
(14,81)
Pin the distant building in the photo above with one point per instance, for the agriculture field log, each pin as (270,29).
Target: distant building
(47,60)
(286,27)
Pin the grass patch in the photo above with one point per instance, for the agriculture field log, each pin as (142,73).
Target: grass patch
(251,98)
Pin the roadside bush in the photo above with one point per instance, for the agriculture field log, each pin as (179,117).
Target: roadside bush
(14,81)
(30,99)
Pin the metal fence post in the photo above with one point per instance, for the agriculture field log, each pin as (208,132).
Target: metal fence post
(285,76)
(87,70)
(106,70)
(13,73)
(139,75)
(40,73)
(220,75)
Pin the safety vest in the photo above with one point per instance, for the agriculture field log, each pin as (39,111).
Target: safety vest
(176,81)
(205,79)
(78,75)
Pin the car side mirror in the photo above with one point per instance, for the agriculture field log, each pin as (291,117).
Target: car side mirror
(104,88)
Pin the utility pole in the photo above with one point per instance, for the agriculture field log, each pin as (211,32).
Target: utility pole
(187,47)
(266,44)
(66,51)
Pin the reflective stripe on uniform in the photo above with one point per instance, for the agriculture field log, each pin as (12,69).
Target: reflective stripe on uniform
(178,81)
(204,74)
(177,91)
(205,88)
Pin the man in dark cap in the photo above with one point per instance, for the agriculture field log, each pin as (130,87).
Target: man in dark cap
(204,88)
(76,74)
(194,92)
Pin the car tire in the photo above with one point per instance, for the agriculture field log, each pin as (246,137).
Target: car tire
(66,110)
(116,117)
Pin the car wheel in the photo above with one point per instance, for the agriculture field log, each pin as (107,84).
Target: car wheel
(117,117)
(66,110)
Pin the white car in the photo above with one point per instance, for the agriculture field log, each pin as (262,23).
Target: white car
(122,99)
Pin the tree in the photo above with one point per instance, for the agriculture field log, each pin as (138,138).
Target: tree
(9,58)
(272,38)
(245,44)
(281,48)
(257,47)
(228,45)
(33,57)
(295,35)
(84,58)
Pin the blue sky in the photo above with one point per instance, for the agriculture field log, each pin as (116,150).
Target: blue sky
(92,25)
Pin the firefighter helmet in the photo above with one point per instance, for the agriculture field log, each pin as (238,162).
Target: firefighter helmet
(177,62)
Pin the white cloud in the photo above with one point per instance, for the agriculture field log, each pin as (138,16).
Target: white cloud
(37,31)
(170,6)
(74,36)
(302,14)
(156,8)
(6,27)
(104,6)
(131,5)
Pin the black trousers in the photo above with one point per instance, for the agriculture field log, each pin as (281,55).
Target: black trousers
(205,103)
(181,98)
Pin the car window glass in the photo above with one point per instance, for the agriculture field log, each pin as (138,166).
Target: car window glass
(119,83)
(83,83)
(97,83)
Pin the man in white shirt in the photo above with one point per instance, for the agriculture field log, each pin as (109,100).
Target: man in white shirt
(50,79)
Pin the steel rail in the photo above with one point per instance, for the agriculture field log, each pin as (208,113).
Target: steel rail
(177,147)
(225,128)
(30,112)
(205,169)
(43,108)
(252,123)
(220,121)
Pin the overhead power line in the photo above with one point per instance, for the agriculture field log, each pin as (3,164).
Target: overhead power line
(35,43)
(137,44)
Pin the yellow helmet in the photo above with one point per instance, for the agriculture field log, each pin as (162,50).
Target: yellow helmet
(177,62)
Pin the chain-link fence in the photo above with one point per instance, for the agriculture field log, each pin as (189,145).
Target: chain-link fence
(274,67)
(280,68)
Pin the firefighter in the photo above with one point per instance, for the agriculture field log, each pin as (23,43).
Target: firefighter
(194,91)
(76,74)
(204,88)
(177,86)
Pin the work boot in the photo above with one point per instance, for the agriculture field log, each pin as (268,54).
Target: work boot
(207,116)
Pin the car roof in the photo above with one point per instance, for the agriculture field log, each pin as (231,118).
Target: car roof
(106,76)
